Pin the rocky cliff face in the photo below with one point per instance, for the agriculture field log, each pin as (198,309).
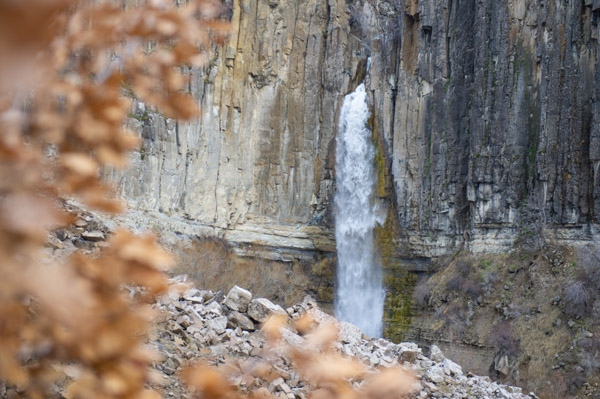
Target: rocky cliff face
(258,166)
(489,112)
(486,115)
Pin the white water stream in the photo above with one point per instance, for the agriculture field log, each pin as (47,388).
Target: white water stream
(359,294)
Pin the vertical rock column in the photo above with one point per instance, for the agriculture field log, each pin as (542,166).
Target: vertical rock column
(260,160)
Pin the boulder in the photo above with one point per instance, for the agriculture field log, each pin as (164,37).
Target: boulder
(260,309)
(452,368)
(213,308)
(349,333)
(55,242)
(502,364)
(93,236)
(409,352)
(435,374)
(238,299)
(436,354)
(216,334)
(218,324)
(237,319)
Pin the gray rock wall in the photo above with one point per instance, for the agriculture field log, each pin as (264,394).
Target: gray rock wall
(486,113)
(258,166)
(490,115)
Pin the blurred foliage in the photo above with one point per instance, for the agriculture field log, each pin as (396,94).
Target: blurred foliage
(68,73)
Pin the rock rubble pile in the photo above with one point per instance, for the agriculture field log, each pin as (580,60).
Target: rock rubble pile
(87,233)
(218,329)
(227,331)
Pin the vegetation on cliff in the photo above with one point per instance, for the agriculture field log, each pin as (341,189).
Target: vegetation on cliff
(531,317)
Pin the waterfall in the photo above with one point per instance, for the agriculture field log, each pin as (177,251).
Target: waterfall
(359,294)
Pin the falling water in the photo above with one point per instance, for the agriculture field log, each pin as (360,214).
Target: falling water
(359,295)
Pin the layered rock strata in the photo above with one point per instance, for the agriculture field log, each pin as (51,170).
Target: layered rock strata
(486,115)
(257,168)
(489,115)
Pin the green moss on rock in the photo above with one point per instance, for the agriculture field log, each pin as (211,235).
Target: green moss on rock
(397,315)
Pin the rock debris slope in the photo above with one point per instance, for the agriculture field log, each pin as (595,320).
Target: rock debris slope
(217,329)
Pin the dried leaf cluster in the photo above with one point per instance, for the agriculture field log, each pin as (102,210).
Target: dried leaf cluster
(68,72)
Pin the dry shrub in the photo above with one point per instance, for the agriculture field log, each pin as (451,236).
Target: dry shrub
(284,282)
(503,339)
(455,283)
(574,380)
(422,293)
(464,268)
(211,263)
(578,299)
(205,260)
(66,72)
(579,296)
(461,279)
(555,387)
(532,218)
(455,318)
(467,285)
(471,287)
(488,279)
(589,258)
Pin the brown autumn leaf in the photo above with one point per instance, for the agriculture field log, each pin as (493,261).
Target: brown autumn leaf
(50,125)
(184,51)
(29,215)
(305,324)
(63,295)
(68,102)
(208,382)
(95,196)
(273,325)
(114,384)
(323,336)
(326,368)
(112,341)
(127,140)
(389,383)
(30,28)
(147,394)
(220,27)
(143,276)
(111,156)
(80,164)
(140,249)
(84,387)
(261,393)
(10,368)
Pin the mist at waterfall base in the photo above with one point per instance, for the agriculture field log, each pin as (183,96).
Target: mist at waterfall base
(359,294)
